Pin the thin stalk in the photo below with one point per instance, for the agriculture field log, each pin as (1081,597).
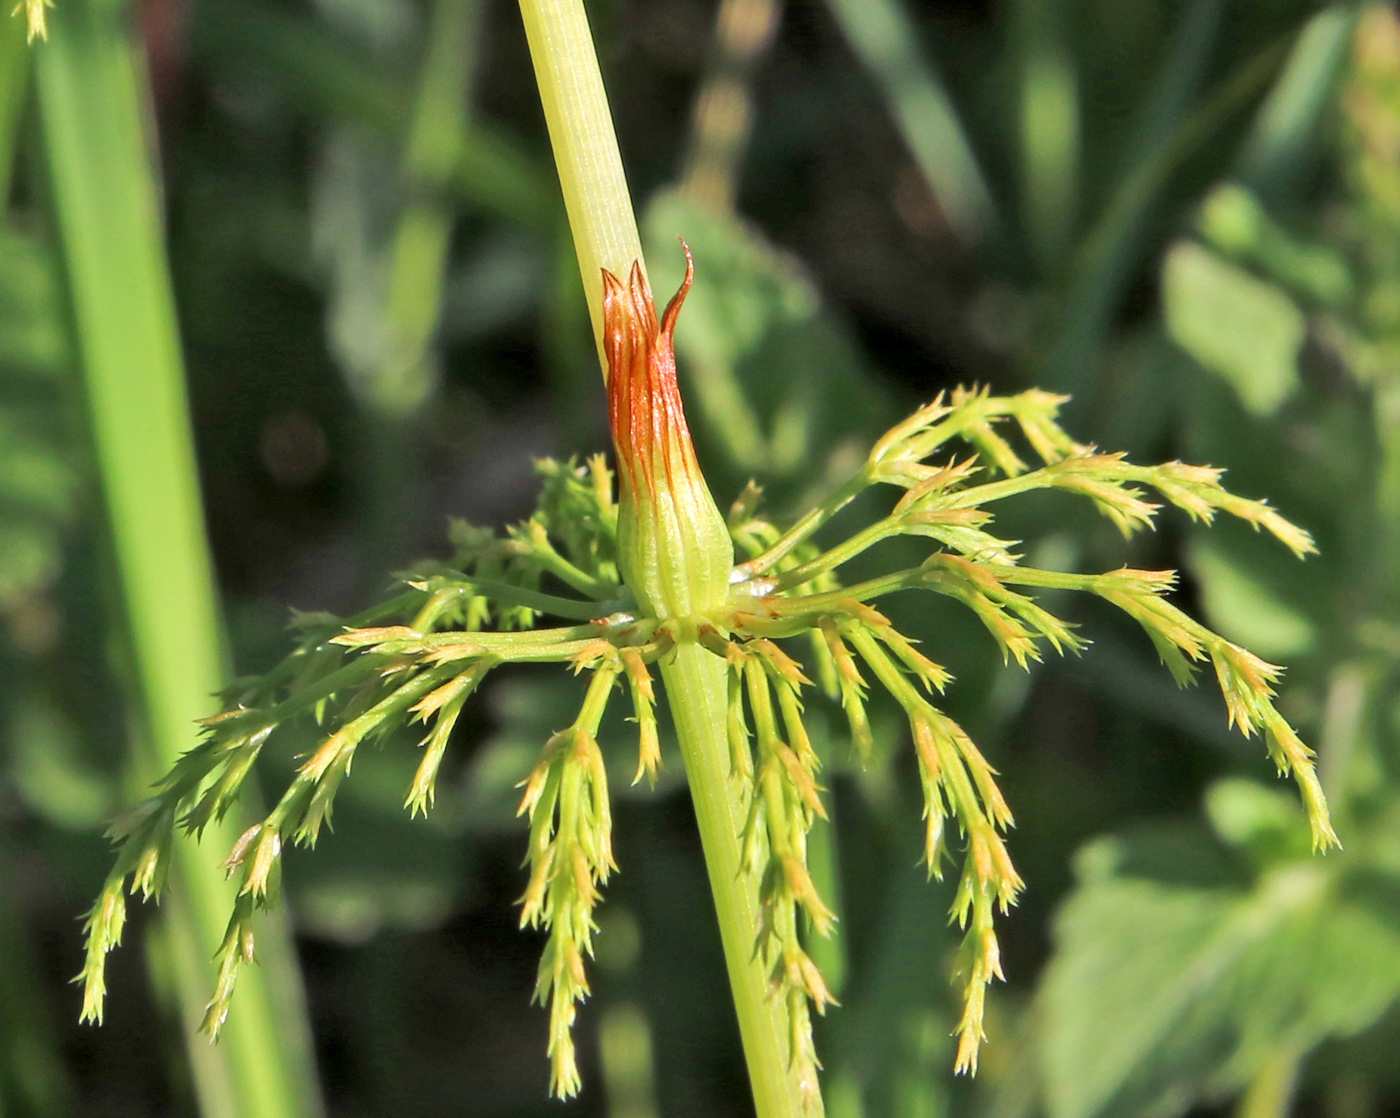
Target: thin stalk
(403,376)
(1270,1092)
(810,523)
(585,147)
(695,687)
(319,72)
(605,236)
(1050,140)
(91,98)
(843,552)
(418,257)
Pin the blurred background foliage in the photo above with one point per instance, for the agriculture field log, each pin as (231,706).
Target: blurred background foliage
(1184,212)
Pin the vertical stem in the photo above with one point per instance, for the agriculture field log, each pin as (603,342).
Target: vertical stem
(1270,1092)
(91,97)
(1049,133)
(605,236)
(695,689)
(418,255)
(403,374)
(585,147)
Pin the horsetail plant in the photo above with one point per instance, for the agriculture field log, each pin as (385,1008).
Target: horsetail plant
(623,581)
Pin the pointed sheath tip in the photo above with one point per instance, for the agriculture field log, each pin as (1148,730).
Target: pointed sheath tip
(673,308)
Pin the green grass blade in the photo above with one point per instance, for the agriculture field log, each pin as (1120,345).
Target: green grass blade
(1287,124)
(1106,257)
(1104,260)
(394,383)
(94,129)
(1050,131)
(418,257)
(1178,82)
(884,39)
(318,72)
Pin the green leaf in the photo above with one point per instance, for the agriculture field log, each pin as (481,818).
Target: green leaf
(1267,822)
(1234,222)
(1244,609)
(105,203)
(1134,959)
(1163,994)
(1239,327)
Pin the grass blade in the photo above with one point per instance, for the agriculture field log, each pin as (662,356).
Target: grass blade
(1106,256)
(1051,122)
(105,200)
(884,39)
(1287,123)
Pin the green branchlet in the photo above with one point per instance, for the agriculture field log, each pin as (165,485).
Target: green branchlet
(570,856)
(36,17)
(418,656)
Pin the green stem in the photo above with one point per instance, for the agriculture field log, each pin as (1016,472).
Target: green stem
(886,41)
(696,689)
(811,521)
(585,147)
(1270,1092)
(402,377)
(605,236)
(842,553)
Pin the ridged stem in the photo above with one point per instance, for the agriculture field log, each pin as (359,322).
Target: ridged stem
(695,687)
(585,147)
(605,236)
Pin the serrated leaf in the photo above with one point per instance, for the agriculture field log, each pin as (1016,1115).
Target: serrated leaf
(1163,995)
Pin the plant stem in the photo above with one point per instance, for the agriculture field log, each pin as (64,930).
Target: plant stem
(105,202)
(695,689)
(585,147)
(605,236)
(1270,1092)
